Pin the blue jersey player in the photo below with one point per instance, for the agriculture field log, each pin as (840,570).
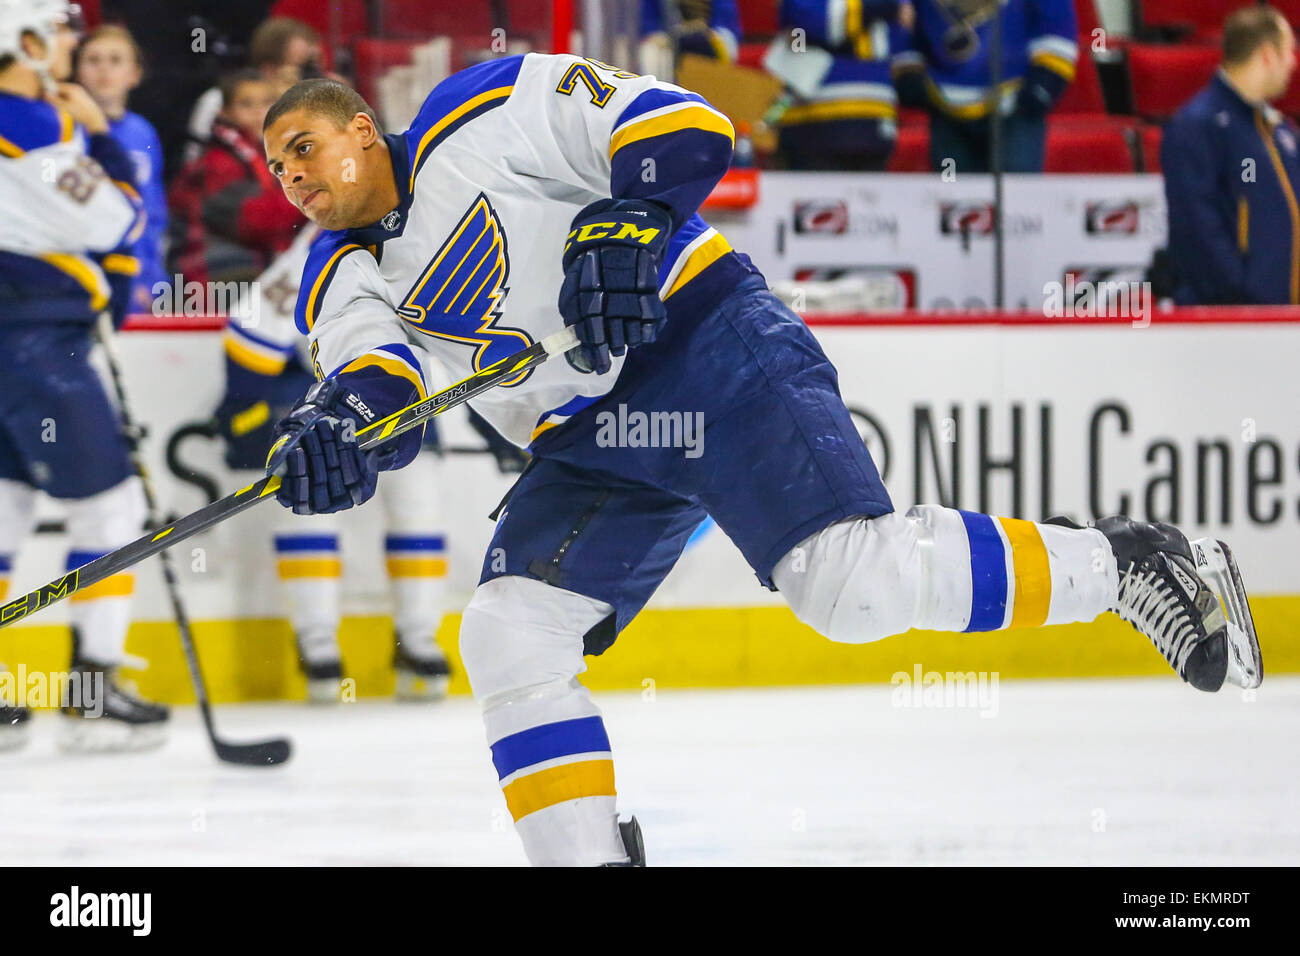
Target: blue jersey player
(537,191)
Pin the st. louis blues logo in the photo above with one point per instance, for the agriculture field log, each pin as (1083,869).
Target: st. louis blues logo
(458,297)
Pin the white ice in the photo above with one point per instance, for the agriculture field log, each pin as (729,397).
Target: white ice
(1091,772)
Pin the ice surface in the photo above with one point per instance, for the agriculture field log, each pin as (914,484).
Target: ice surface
(1127,772)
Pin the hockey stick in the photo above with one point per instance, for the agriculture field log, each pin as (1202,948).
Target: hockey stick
(263,753)
(375,434)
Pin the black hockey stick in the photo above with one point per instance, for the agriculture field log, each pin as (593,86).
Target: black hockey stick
(402,421)
(262,753)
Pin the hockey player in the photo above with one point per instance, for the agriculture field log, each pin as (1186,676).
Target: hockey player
(267,373)
(529,176)
(71,216)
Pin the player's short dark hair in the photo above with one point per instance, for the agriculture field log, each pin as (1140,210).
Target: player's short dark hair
(230,83)
(1249,28)
(329,98)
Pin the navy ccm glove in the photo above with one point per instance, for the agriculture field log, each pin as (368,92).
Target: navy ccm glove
(610,294)
(316,455)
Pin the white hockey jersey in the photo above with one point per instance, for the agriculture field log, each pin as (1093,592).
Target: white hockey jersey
(468,266)
(64,215)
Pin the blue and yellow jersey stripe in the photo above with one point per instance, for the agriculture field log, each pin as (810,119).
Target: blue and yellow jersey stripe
(250,351)
(26,125)
(394,359)
(1056,53)
(456,101)
(693,248)
(327,251)
(85,272)
(664,112)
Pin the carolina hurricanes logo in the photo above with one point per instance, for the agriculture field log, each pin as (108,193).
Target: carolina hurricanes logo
(459,295)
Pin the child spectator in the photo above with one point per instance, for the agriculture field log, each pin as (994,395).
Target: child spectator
(230,217)
(109,67)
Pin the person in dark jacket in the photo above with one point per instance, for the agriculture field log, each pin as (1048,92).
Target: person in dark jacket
(1231,171)
(231,218)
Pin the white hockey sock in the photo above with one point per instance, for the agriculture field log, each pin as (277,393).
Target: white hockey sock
(417,567)
(97,525)
(309,568)
(942,569)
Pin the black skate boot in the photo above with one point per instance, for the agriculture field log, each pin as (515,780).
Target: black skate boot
(15,727)
(1176,592)
(99,716)
(324,675)
(632,842)
(421,677)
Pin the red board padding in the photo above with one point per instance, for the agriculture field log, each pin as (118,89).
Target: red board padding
(738,189)
(1194,315)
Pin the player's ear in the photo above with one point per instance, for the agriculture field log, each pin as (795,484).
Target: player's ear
(365,129)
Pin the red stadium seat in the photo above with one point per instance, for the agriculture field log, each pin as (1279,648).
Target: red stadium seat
(1201,19)
(751,54)
(1088,146)
(912,152)
(1150,136)
(1084,94)
(1166,77)
(374,56)
(758,18)
(347,17)
(423,19)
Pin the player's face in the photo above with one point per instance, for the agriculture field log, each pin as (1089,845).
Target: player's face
(317,163)
(1286,62)
(107,68)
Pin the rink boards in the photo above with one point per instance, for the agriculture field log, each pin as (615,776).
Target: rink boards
(1191,421)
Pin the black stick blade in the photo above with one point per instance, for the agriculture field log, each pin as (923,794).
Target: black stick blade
(267,753)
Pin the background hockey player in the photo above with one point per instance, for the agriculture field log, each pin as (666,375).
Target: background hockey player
(527,179)
(71,216)
(267,373)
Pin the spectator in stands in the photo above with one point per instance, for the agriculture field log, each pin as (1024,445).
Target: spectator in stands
(109,67)
(708,28)
(844,114)
(284,51)
(1232,173)
(230,215)
(950,72)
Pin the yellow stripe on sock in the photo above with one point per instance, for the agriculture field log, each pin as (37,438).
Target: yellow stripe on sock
(1033,575)
(290,568)
(417,567)
(4,588)
(119,585)
(570,781)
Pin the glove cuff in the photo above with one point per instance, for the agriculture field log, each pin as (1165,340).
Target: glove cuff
(639,223)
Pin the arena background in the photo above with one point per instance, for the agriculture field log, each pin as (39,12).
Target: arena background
(1190,418)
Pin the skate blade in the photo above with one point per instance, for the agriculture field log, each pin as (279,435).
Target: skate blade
(91,735)
(1216,566)
(324,692)
(414,688)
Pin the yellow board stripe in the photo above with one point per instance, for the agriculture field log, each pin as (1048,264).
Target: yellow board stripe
(570,781)
(501,92)
(703,257)
(119,585)
(246,357)
(81,270)
(323,278)
(696,116)
(309,568)
(417,567)
(1033,575)
(390,365)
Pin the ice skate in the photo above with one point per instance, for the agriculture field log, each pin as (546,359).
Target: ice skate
(15,727)
(1188,599)
(106,718)
(632,842)
(324,672)
(422,677)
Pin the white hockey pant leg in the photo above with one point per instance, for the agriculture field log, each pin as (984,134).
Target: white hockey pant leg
(310,570)
(415,551)
(17,515)
(863,579)
(521,643)
(96,525)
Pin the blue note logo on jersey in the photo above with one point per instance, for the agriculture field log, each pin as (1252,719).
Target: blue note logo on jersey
(458,296)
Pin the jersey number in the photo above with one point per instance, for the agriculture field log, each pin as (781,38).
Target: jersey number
(585,73)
